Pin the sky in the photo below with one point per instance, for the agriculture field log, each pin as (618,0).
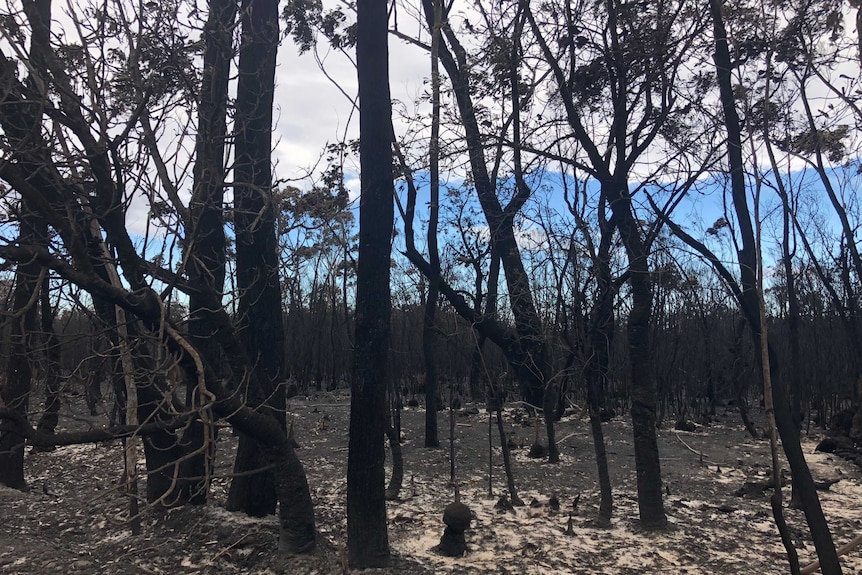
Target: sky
(313,109)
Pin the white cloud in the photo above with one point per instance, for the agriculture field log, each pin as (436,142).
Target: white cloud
(352,183)
(311,110)
(528,239)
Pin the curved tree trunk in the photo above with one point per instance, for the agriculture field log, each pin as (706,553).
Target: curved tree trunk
(643,389)
(750,305)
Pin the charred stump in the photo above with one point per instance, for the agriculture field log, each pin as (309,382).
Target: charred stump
(457,518)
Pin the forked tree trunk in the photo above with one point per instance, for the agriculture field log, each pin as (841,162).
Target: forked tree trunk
(528,356)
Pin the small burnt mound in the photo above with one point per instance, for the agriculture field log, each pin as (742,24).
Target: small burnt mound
(844,437)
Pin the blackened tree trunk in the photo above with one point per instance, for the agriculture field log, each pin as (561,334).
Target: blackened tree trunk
(260,318)
(15,394)
(429,353)
(738,378)
(429,332)
(750,305)
(496,403)
(793,321)
(367,536)
(50,417)
(600,334)
(643,389)
(528,353)
(206,240)
(397,478)
(393,434)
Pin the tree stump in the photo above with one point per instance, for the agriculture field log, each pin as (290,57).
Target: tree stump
(504,505)
(538,451)
(457,518)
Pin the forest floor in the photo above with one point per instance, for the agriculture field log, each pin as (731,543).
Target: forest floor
(73,519)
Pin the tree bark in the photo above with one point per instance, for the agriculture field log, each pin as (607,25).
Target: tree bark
(260,320)
(600,334)
(429,332)
(206,240)
(643,389)
(50,417)
(397,479)
(32,229)
(367,536)
(15,393)
(497,404)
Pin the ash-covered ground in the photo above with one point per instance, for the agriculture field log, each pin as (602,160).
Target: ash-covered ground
(74,518)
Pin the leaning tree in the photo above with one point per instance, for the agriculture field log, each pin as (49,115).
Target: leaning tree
(82,136)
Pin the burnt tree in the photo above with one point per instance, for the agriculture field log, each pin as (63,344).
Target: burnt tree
(367,536)
(260,320)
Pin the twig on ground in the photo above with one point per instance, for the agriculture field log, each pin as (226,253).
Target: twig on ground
(703,456)
(229,547)
(843,550)
(569,436)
